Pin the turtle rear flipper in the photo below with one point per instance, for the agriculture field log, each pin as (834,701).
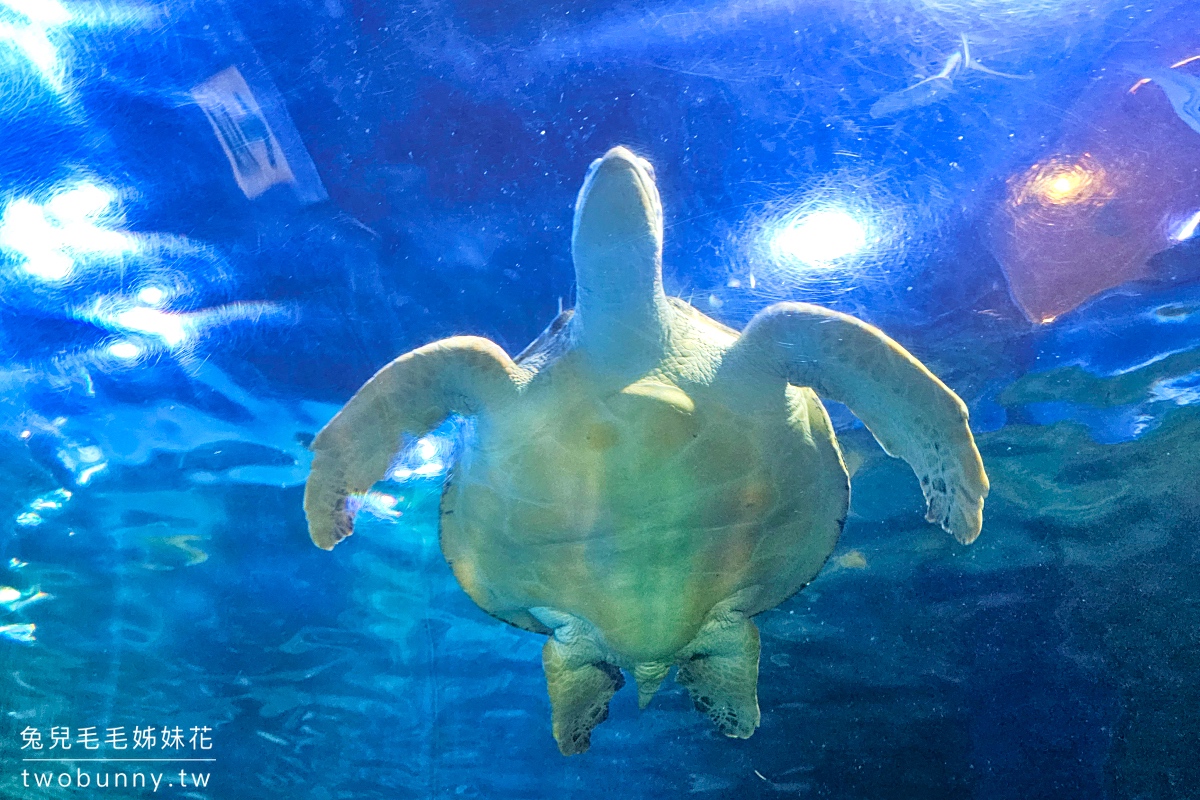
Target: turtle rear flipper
(579,679)
(720,672)
(579,695)
(911,413)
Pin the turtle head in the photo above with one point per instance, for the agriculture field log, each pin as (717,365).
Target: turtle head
(618,209)
(616,243)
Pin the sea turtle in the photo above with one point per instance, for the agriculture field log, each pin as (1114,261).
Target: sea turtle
(643,480)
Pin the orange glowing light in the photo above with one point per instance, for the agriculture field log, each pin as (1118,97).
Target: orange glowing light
(1062,181)
(1063,186)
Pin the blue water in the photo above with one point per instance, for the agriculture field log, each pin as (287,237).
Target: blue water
(198,266)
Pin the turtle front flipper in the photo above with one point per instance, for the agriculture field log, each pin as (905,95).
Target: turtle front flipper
(410,396)
(911,413)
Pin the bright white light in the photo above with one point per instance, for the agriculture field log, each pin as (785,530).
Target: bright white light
(19,217)
(434,467)
(89,453)
(41,12)
(428,454)
(124,350)
(1188,229)
(75,213)
(48,265)
(52,236)
(379,505)
(423,459)
(85,475)
(820,237)
(24,229)
(8,594)
(85,201)
(166,326)
(426,449)
(151,295)
(33,42)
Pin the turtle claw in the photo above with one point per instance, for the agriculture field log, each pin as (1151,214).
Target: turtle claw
(955,502)
(343,520)
(330,511)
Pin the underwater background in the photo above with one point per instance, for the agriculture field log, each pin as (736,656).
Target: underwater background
(219,218)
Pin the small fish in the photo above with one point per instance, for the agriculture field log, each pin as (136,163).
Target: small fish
(852,560)
(270,737)
(52,501)
(1182,89)
(176,545)
(922,93)
(935,87)
(21,632)
(19,602)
